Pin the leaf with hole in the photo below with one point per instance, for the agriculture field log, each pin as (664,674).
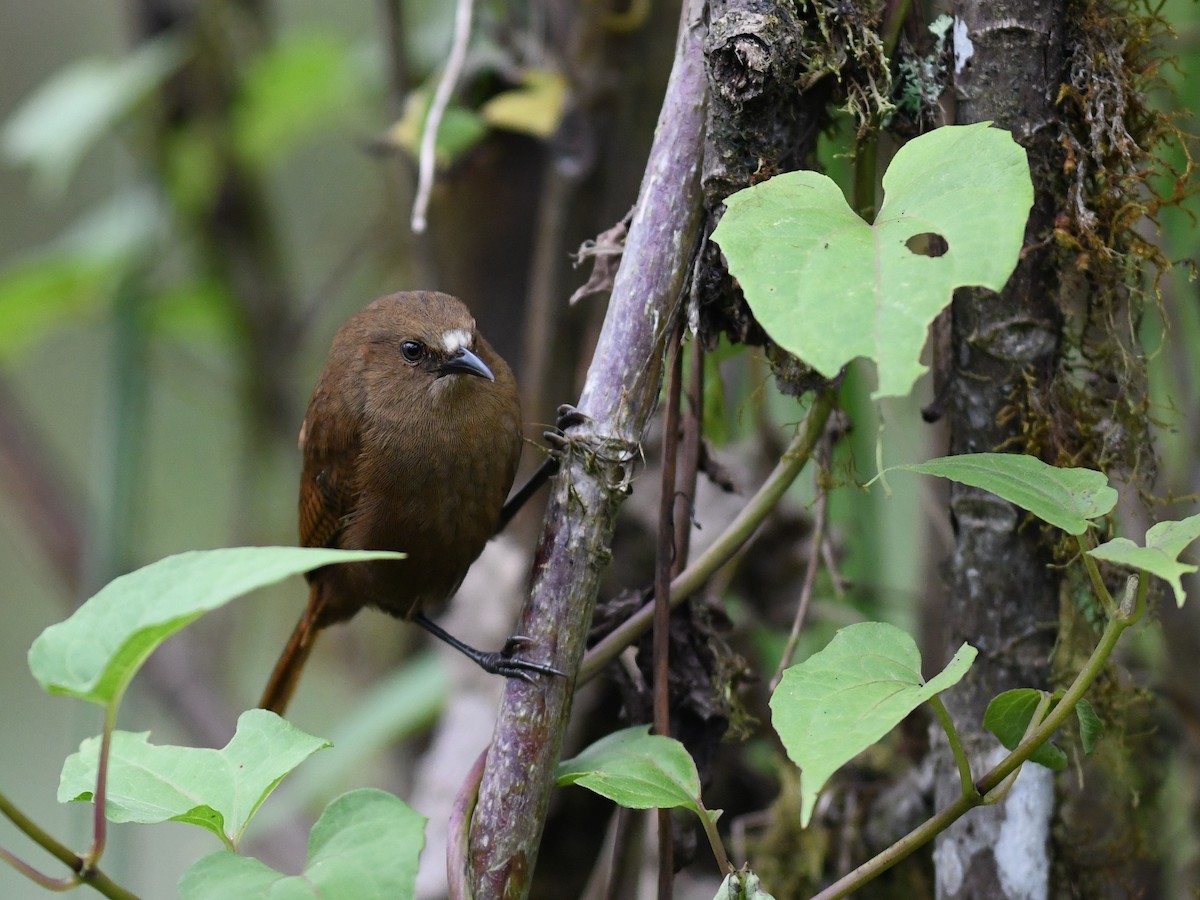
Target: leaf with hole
(830,287)
(847,696)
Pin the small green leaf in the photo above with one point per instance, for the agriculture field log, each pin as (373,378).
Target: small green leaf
(301,86)
(365,846)
(1091,729)
(535,108)
(219,790)
(1066,498)
(829,287)
(1008,717)
(743,884)
(844,698)
(637,770)
(1164,542)
(95,653)
(53,129)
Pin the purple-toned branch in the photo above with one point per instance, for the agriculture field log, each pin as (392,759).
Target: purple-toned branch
(618,398)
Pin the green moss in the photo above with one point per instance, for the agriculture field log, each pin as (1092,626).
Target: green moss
(842,41)
(1117,173)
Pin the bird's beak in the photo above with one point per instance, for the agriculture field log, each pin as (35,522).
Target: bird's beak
(464,362)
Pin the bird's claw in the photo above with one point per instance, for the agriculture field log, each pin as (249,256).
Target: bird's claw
(568,417)
(506,663)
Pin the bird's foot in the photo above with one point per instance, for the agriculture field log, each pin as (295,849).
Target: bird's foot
(505,662)
(568,417)
(502,662)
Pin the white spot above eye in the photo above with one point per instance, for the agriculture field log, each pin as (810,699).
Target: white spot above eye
(456,339)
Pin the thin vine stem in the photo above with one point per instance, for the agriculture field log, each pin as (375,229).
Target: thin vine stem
(806,590)
(100,797)
(1087,542)
(714,840)
(691,579)
(665,553)
(82,873)
(1127,614)
(956,745)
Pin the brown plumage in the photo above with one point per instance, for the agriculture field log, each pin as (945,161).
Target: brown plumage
(410,442)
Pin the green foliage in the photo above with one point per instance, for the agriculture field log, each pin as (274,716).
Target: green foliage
(95,653)
(364,846)
(1164,542)
(366,843)
(219,790)
(53,129)
(460,131)
(1091,729)
(393,709)
(841,700)
(742,885)
(845,288)
(295,89)
(70,280)
(638,770)
(1008,717)
(1066,498)
(535,108)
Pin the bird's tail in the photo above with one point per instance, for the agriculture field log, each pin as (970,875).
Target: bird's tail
(283,681)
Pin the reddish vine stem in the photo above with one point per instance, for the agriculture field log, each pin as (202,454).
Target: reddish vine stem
(82,873)
(664,564)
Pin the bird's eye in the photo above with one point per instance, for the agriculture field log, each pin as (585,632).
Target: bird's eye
(412,351)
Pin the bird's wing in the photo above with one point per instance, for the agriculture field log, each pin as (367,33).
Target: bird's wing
(330,446)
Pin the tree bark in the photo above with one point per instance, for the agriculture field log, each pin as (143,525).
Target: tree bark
(1008,65)
(619,396)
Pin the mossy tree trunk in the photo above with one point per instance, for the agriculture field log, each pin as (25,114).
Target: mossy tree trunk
(1002,596)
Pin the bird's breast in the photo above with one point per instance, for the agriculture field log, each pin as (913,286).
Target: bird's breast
(433,490)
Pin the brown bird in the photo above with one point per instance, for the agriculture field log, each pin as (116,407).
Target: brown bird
(410,442)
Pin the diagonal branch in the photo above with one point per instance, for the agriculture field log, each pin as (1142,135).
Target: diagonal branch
(619,396)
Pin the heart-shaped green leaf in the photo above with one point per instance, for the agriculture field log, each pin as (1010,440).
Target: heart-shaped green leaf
(365,846)
(1066,498)
(1164,542)
(216,789)
(844,698)
(829,287)
(95,653)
